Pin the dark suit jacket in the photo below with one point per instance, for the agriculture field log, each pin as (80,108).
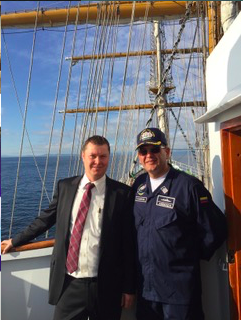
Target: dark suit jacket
(116,271)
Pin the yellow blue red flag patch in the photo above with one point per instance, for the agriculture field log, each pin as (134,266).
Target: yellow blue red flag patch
(203,199)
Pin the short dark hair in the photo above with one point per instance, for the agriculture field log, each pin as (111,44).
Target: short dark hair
(97,140)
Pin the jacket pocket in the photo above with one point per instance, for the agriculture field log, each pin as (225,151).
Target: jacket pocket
(164,218)
(138,220)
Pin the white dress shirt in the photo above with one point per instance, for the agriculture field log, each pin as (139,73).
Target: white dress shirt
(90,242)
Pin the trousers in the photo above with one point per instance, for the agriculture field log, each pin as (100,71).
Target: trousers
(151,310)
(78,300)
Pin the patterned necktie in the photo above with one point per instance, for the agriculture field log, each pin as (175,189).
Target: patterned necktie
(75,240)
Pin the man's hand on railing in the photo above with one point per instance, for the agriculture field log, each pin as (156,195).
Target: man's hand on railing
(6,246)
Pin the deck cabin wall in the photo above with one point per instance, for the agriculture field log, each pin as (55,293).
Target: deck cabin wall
(223,83)
(25,279)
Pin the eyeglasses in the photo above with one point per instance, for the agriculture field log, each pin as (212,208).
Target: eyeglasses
(156,149)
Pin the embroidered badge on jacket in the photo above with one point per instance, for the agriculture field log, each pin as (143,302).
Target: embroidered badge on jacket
(204,199)
(141,189)
(166,202)
(164,190)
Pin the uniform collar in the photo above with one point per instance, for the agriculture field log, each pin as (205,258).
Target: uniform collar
(163,188)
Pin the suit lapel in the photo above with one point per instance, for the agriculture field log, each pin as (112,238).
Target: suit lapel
(72,189)
(109,205)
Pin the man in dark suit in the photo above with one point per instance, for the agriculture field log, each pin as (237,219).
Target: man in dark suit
(101,280)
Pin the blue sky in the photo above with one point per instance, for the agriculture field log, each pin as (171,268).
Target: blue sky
(43,82)
(43,85)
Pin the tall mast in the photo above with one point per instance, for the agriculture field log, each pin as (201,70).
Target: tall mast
(161,112)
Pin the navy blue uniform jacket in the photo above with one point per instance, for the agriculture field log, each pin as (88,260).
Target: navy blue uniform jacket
(177,225)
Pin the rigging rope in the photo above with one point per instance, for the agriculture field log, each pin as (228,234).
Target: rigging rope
(97,80)
(54,108)
(83,127)
(110,72)
(105,41)
(123,87)
(21,113)
(78,100)
(65,103)
(183,93)
(129,128)
(97,71)
(24,118)
(98,64)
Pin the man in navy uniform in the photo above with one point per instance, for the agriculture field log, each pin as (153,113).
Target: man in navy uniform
(177,225)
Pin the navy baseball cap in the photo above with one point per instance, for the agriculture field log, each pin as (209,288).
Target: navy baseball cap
(151,136)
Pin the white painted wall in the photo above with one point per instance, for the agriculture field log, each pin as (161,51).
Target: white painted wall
(25,279)
(223,81)
(25,283)
(223,75)
(223,70)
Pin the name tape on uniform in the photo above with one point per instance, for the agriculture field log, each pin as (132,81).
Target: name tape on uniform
(141,199)
(166,202)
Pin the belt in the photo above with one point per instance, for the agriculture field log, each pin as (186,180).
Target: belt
(84,280)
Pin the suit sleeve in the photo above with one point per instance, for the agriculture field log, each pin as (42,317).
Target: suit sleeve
(211,222)
(128,248)
(42,223)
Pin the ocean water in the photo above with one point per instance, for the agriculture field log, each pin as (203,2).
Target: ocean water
(29,189)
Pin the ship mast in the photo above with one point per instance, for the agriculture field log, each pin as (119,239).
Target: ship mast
(161,101)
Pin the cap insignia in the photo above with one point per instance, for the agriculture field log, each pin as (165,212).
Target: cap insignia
(146,134)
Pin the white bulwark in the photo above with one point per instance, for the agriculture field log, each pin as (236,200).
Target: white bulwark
(25,277)
(223,77)
(220,279)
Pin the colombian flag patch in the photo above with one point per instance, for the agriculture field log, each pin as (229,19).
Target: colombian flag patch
(203,199)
